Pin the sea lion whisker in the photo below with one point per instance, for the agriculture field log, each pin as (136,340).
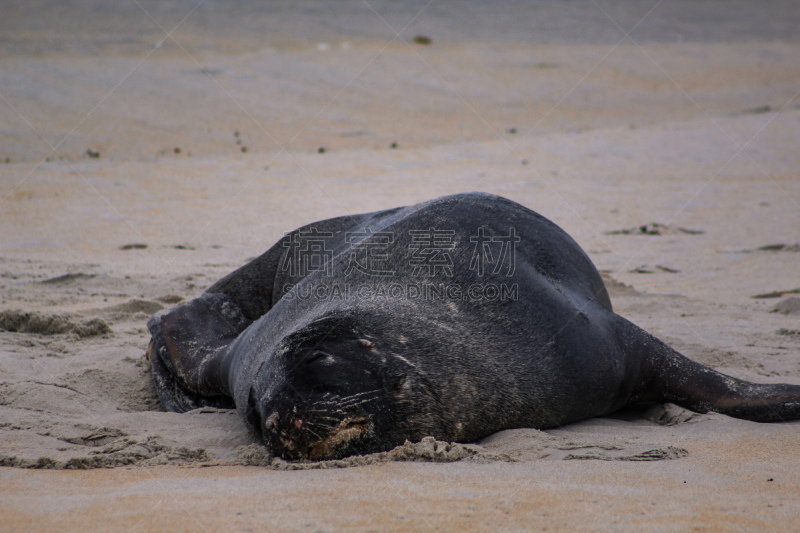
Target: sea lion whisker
(323,417)
(313,432)
(326,403)
(358,394)
(322,412)
(318,423)
(373,391)
(357,401)
(357,397)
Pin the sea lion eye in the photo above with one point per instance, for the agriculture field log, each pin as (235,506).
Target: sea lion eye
(320,356)
(402,386)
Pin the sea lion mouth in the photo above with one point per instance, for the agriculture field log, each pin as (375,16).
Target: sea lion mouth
(350,428)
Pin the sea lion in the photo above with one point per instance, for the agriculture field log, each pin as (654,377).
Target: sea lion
(456,318)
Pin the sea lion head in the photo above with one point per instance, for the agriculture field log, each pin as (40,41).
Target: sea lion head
(334,391)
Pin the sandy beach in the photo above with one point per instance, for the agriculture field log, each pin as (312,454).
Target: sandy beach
(148,149)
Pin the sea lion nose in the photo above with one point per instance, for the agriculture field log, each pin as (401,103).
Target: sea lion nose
(272,420)
(298,423)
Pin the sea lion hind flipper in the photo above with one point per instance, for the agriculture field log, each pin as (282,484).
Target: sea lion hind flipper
(189,352)
(664,375)
(702,389)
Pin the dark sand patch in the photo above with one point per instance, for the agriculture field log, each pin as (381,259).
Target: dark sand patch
(51,324)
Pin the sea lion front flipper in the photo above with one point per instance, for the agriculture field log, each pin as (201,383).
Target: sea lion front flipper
(250,287)
(189,352)
(256,286)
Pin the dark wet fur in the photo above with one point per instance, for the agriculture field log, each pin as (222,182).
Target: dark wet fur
(330,378)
